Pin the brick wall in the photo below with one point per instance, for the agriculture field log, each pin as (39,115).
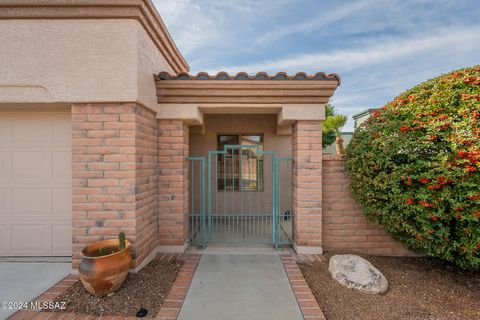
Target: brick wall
(146,216)
(116,149)
(113,172)
(307,183)
(345,228)
(173,182)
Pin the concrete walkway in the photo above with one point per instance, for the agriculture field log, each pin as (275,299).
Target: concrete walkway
(230,287)
(24,281)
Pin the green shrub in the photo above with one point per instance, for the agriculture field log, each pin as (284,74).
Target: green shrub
(328,135)
(415,169)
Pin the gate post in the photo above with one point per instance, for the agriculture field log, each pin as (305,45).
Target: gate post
(307,186)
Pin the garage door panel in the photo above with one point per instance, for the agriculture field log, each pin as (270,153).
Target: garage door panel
(35,184)
(62,165)
(5,165)
(4,238)
(29,201)
(32,129)
(30,164)
(5,130)
(61,130)
(30,238)
(62,238)
(5,202)
(62,202)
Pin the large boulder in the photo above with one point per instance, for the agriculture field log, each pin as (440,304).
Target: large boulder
(354,272)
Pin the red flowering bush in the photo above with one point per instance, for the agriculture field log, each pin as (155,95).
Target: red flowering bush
(415,168)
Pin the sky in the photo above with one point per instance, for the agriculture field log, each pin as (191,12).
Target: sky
(379,48)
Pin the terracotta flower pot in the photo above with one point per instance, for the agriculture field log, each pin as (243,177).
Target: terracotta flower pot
(101,275)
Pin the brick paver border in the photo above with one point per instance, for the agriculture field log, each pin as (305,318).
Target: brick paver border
(169,311)
(175,298)
(305,298)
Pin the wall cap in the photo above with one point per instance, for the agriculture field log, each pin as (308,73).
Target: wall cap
(307,249)
(332,157)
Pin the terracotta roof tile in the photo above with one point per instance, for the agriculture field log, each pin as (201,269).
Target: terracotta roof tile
(245,76)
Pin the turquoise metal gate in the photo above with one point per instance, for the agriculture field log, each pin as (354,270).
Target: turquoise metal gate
(241,194)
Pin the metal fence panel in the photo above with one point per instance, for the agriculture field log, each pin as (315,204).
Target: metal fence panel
(248,197)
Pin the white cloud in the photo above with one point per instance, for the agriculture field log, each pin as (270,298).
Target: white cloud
(375,53)
(190,24)
(208,30)
(378,71)
(324,18)
(379,47)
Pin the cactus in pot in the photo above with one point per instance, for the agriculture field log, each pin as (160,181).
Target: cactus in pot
(102,251)
(121,241)
(105,265)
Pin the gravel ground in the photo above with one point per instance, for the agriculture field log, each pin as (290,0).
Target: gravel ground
(147,288)
(419,288)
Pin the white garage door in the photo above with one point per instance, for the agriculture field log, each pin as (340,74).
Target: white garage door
(35,184)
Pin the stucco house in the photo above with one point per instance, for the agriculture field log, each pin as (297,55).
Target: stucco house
(102,129)
(361,117)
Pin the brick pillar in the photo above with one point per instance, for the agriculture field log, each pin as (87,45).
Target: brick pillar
(114,185)
(173,183)
(307,186)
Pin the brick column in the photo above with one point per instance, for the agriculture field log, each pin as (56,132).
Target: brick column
(173,183)
(307,186)
(113,169)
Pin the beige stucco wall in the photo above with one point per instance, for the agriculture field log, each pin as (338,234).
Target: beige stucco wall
(200,144)
(149,61)
(77,61)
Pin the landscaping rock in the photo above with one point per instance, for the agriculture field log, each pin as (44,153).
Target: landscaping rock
(354,272)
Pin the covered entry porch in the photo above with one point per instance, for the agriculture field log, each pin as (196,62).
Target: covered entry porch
(251,167)
(240,182)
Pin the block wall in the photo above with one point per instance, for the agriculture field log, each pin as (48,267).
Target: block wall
(345,228)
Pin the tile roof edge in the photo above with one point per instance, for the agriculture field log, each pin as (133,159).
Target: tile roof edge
(222,75)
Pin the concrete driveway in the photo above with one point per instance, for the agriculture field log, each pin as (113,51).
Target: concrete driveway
(24,281)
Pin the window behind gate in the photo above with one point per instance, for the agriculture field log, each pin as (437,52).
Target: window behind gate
(240,167)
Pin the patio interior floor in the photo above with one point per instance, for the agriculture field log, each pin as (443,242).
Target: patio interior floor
(242,230)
